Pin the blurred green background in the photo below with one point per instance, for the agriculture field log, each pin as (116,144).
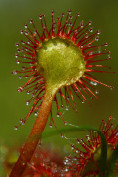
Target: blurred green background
(13,15)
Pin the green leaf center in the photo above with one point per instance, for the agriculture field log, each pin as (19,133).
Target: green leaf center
(60,62)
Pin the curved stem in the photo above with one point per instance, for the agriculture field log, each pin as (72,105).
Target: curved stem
(34,136)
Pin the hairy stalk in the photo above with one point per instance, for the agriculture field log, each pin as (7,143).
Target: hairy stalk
(34,136)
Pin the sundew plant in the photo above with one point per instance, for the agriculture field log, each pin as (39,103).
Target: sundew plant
(62,58)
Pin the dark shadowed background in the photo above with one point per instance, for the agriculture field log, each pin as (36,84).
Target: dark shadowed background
(13,15)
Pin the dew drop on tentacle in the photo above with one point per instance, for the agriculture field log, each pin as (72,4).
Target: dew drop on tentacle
(63,14)
(28,92)
(25,26)
(18,50)
(23,68)
(26,32)
(96,91)
(16,55)
(91,30)
(72,146)
(90,22)
(78,140)
(67,108)
(21,31)
(52,12)
(14,72)
(40,17)
(98,32)
(70,17)
(20,89)
(81,46)
(66,169)
(82,24)
(50,125)
(93,83)
(24,56)
(36,114)
(17,44)
(91,53)
(88,137)
(69,11)
(16,128)
(23,164)
(22,42)
(33,94)
(110,117)
(111,88)
(62,106)
(106,44)
(62,135)
(78,14)
(22,121)
(83,101)
(31,21)
(97,38)
(99,51)
(76,151)
(109,57)
(65,123)
(58,115)
(18,62)
(68,98)
(20,77)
